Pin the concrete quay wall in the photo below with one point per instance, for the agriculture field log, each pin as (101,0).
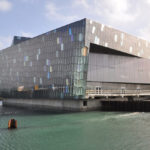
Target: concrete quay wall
(53,104)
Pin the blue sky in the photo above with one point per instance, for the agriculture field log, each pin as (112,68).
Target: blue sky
(34,17)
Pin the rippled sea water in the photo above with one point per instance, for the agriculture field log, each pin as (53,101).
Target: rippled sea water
(74,131)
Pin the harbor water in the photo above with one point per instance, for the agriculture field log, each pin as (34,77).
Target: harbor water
(74,131)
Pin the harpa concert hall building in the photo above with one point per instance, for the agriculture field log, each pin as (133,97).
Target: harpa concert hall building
(72,61)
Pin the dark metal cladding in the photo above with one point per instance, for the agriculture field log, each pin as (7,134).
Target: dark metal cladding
(116,59)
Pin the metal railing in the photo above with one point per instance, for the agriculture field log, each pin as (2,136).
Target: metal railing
(94,92)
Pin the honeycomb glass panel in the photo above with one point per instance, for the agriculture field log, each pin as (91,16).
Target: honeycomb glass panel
(47,62)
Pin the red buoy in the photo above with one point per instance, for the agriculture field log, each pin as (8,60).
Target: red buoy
(12,124)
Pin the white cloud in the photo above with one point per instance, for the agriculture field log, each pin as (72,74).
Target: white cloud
(26,34)
(128,15)
(148,1)
(5,5)
(118,11)
(5,42)
(145,32)
(55,13)
(83,3)
(29,1)
(112,11)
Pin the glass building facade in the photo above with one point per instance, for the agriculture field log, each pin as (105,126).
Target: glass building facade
(60,63)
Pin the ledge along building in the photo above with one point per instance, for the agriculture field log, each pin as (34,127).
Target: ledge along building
(67,66)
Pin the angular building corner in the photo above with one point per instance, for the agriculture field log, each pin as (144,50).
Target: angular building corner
(51,65)
(74,60)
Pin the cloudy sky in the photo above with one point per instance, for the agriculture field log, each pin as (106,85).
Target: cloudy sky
(33,17)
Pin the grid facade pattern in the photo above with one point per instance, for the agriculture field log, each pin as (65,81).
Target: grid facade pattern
(60,62)
(54,61)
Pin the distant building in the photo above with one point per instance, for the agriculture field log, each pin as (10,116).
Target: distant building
(65,62)
(19,39)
